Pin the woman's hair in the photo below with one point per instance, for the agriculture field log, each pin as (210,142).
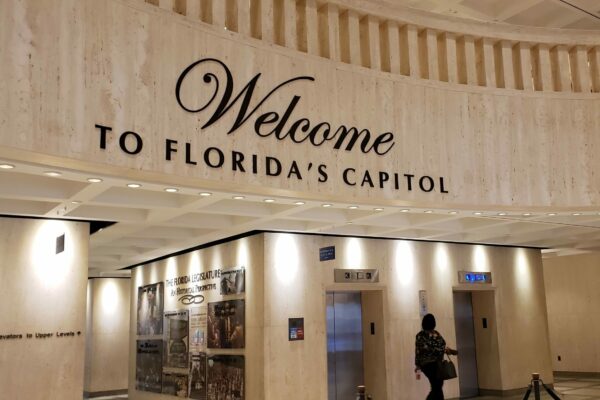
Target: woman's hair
(428,323)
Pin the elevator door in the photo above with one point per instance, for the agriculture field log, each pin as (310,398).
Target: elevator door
(465,344)
(344,345)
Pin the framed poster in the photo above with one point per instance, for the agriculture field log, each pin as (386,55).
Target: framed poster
(175,384)
(226,324)
(233,282)
(198,317)
(150,309)
(176,339)
(198,376)
(148,365)
(225,377)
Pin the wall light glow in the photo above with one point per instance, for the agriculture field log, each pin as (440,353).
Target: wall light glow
(522,271)
(442,257)
(481,260)
(51,268)
(195,263)
(286,259)
(109,296)
(354,254)
(243,254)
(171,267)
(404,262)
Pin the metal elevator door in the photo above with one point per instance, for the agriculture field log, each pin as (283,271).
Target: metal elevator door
(344,345)
(465,344)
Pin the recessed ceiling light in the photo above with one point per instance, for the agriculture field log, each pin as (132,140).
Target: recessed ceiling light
(94,180)
(7,166)
(76,202)
(453,212)
(378,209)
(526,214)
(205,194)
(428,211)
(478,213)
(349,223)
(133,185)
(52,173)
(299,203)
(326,205)
(353,207)
(551,214)
(502,214)
(100,230)
(238,197)
(171,190)
(269,200)
(576,214)
(405,210)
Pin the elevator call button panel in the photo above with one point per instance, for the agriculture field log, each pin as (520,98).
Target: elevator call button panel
(474,277)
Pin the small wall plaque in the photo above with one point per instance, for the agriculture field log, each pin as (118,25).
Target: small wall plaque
(296,329)
(60,244)
(327,253)
(356,275)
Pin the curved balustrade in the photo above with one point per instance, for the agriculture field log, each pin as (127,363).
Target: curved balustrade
(379,36)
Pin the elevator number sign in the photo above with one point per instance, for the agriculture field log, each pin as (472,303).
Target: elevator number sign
(469,277)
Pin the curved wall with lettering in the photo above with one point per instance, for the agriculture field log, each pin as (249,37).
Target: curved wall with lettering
(125,88)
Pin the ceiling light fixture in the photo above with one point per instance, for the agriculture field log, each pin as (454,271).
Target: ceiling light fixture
(353,207)
(576,214)
(453,212)
(205,194)
(526,214)
(502,214)
(326,205)
(53,174)
(76,202)
(405,210)
(238,197)
(7,166)
(478,213)
(551,214)
(299,203)
(378,209)
(171,190)
(428,211)
(269,200)
(94,180)
(134,185)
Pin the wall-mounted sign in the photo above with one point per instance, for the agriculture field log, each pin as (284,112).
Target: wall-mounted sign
(356,275)
(327,253)
(474,277)
(423,309)
(296,329)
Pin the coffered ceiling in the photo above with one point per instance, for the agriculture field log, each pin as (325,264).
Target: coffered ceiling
(151,222)
(570,14)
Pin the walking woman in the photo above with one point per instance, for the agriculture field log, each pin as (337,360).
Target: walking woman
(429,352)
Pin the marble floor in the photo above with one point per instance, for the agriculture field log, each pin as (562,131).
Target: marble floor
(566,388)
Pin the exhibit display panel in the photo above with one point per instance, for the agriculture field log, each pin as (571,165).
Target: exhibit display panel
(125,88)
(107,339)
(197,324)
(283,353)
(43,271)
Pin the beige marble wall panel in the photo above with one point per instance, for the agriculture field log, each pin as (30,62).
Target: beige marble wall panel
(42,292)
(246,252)
(292,267)
(573,315)
(117,62)
(107,362)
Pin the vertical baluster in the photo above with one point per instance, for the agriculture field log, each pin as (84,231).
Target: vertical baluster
(470,60)
(451,59)
(594,58)
(526,66)
(329,31)
(219,15)
(266,21)
(390,51)
(243,17)
(507,69)
(490,63)
(561,68)
(167,4)
(312,27)
(580,69)
(290,34)
(404,51)
(206,13)
(432,55)
(369,40)
(412,40)
(350,37)
(192,9)
(547,80)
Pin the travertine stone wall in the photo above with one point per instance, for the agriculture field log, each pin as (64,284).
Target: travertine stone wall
(573,314)
(107,340)
(43,293)
(116,63)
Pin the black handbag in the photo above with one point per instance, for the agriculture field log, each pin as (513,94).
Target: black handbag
(446,369)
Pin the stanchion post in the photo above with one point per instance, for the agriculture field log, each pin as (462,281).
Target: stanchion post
(360,393)
(536,385)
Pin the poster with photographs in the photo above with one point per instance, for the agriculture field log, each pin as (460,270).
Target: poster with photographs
(148,365)
(226,324)
(198,376)
(175,384)
(150,309)
(225,377)
(233,282)
(198,316)
(176,339)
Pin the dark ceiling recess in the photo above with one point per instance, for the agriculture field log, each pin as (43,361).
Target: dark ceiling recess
(96,226)
(580,9)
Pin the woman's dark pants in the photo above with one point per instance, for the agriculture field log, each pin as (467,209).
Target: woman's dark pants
(431,372)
